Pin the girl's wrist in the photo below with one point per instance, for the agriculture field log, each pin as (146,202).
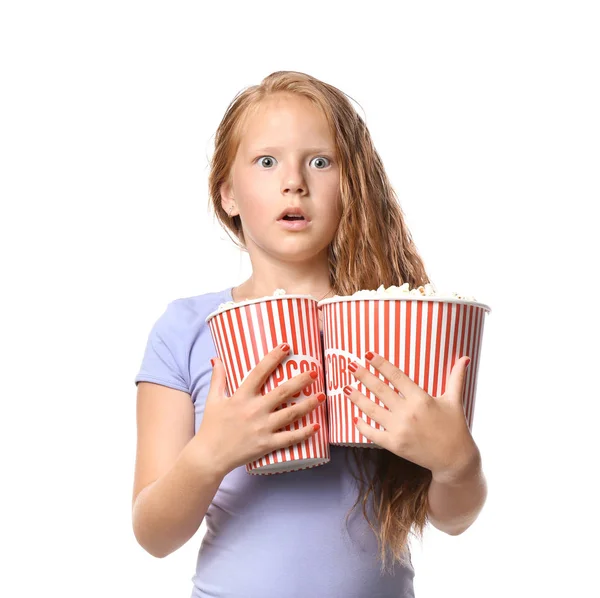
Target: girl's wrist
(204,461)
(461,471)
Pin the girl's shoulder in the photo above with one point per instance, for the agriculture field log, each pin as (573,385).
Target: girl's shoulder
(177,333)
(186,310)
(183,319)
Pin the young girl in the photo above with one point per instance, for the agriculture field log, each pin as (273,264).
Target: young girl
(292,143)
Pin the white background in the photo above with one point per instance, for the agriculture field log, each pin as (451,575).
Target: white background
(486,115)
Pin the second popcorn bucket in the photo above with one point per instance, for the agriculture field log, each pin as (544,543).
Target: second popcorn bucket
(421,336)
(244,333)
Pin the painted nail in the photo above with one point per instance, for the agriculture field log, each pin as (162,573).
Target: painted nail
(355,420)
(369,355)
(316,427)
(314,374)
(469,362)
(321,397)
(285,347)
(352,366)
(212,362)
(348,390)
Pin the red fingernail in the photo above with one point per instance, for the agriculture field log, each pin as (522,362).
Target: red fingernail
(355,420)
(352,366)
(316,427)
(468,362)
(285,347)
(321,397)
(369,355)
(314,374)
(212,362)
(348,390)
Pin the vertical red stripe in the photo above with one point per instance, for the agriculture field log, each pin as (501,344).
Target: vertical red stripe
(300,304)
(455,339)
(377,343)
(356,435)
(242,340)
(309,316)
(386,325)
(281,309)
(290,309)
(313,329)
(419,307)
(438,348)
(463,310)
(468,351)
(255,352)
(365,328)
(408,327)
(271,322)
(428,345)
(449,309)
(274,338)
(348,327)
(400,325)
(232,345)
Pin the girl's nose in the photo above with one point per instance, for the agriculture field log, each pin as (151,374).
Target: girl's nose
(293,187)
(293,183)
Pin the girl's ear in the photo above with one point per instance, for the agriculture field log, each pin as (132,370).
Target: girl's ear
(227,199)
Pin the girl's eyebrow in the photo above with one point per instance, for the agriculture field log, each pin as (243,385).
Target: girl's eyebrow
(311,150)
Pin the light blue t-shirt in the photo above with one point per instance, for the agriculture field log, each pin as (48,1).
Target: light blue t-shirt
(276,536)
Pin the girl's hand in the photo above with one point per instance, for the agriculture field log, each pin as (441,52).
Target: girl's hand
(239,429)
(431,432)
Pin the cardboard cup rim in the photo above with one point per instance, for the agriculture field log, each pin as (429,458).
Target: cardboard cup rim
(252,301)
(487,308)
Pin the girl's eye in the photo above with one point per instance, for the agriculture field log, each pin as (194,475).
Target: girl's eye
(321,158)
(268,161)
(268,158)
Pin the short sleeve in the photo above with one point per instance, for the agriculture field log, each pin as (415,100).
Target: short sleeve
(161,361)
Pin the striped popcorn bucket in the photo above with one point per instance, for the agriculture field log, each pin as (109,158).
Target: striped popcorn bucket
(423,337)
(243,334)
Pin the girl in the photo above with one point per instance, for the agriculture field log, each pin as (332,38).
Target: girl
(294,143)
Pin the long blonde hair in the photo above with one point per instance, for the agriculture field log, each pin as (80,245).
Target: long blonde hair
(372,246)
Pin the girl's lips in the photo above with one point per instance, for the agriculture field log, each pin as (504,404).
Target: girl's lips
(293,224)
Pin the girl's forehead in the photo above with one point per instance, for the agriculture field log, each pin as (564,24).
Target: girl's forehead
(283,119)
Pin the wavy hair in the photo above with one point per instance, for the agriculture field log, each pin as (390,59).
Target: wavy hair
(372,246)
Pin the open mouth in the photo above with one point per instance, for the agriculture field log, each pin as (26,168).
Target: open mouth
(291,218)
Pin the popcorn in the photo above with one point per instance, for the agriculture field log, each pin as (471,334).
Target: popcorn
(228,304)
(403,291)
(392,291)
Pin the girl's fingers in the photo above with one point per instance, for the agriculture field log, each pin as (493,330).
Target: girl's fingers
(288,415)
(285,439)
(256,379)
(285,392)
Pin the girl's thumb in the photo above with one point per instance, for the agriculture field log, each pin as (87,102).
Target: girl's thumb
(217,382)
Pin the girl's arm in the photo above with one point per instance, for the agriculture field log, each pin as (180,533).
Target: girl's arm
(174,481)
(169,511)
(456,501)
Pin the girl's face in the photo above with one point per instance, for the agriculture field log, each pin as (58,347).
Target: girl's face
(286,158)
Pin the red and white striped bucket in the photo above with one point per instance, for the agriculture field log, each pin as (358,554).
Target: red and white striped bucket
(244,334)
(423,337)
